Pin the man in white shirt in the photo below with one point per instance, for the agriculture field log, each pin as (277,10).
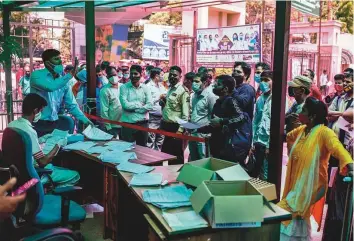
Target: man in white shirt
(111,108)
(53,86)
(32,108)
(136,103)
(324,81)
(156,88)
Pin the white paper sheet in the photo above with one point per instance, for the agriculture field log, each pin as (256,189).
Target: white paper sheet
(56,137)
(98,149)
(188,125)
(120,145)
(146,179)
(95,134)
(342,124)
(184,220)
(80,146)
(117,157)
(134,168)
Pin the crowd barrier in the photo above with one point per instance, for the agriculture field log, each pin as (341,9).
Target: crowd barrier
(156,131)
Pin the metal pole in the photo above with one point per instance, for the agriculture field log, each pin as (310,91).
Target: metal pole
(319,48)
(30,47)
(8,79)
(90,48)
(280,67)
(195,40)
(73,45)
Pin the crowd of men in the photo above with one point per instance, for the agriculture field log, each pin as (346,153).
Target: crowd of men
(228,110)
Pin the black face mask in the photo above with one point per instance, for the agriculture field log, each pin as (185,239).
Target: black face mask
(238,78)
(173,81)
(218,91)
(291,91)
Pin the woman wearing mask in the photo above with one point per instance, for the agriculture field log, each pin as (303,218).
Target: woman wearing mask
(311,146)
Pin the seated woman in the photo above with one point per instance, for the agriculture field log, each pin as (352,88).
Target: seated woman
(311,146)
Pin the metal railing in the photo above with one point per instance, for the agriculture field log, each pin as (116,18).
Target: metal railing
(17,109)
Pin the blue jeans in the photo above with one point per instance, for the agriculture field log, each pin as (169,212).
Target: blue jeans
(196,149)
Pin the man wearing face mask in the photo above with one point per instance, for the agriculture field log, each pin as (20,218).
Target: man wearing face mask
(136,103)
(261,127)
(111,108)
(340,105)
(338,87)
(260,67)
(230,127)
(32,107)
(126,75)
(104,66)
(55,89)
(245,93)
(299,88)
(202,105)
(25,82)
(157,90)
(147,74)
(176,105)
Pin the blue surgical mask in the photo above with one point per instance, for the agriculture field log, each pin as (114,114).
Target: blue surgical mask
(264,87)
(126,76)
(257,78)
(196,87)
(120,75)
(37,117)
(58,69)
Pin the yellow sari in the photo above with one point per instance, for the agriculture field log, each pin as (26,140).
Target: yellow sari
(307,173)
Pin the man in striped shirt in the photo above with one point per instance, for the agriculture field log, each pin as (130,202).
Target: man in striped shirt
(32,106)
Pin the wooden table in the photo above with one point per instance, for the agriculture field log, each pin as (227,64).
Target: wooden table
(95,174)
(132,225)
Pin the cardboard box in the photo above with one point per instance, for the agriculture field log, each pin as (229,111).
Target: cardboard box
(194,173)
(229,204)
(267,189)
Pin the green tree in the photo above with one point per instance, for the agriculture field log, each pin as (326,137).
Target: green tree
(65,41)
(166,18)
(344,14)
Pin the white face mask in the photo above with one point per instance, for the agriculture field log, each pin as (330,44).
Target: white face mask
(114,80)
(126,76)
(58,69)
(37,117)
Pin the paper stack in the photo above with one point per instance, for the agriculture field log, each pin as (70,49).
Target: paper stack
(80,146)
(134,168)
(98,149)
(184,220)
(50,140)
(146,179)
(95,134)
(169,197)
(117,157)
(120,145)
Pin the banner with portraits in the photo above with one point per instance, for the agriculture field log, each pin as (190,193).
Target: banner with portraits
(221,47)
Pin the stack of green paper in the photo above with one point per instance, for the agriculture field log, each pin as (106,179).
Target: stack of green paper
(184,220)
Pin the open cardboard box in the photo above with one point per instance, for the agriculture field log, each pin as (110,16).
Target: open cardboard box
(229,204)
(194,173)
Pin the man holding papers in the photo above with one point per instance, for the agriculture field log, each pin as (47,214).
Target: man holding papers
(136,103)
(202,106)
(32,107)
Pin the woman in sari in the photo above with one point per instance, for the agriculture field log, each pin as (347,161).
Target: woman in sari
(311,146)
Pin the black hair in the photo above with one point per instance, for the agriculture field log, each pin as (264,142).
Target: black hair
(350,70)
(202,69)
(154,72)
(178,69)
(339,77)
(31,102)
(312,74)
(149,68)
(245,67)
(98,68)
(190,76)
(109,71)
(227,81)
(263,65)
(318,108)
(104,65)
(49,53)
(267,74)
(136,67)
(69,67)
